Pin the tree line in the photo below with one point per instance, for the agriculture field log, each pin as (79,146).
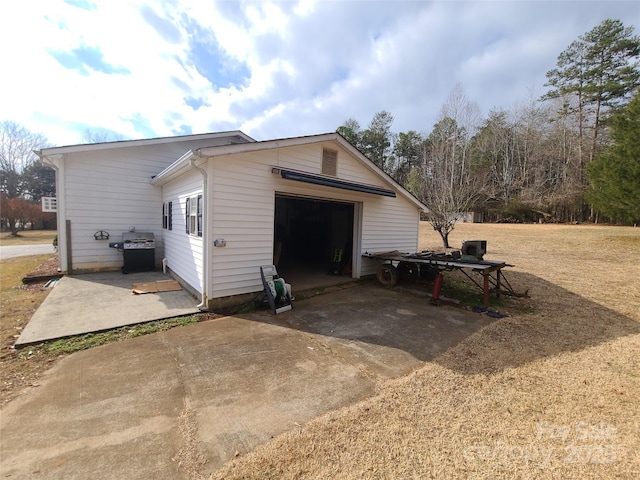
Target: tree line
(562,157)
(569,156)
(23,179)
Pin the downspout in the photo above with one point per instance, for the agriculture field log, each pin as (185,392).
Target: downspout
(60,213)
(204,304)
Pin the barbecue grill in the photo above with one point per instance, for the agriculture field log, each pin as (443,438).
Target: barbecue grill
(139,252)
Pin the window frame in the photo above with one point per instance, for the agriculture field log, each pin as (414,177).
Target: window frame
(167,215)
(193,215)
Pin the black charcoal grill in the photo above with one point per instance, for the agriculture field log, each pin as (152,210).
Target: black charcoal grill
(139,251)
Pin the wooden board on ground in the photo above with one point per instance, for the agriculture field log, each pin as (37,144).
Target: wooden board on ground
(155,287)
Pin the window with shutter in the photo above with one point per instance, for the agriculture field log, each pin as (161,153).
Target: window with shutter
(167,214)
(199,215)
(187,212)
(194,215)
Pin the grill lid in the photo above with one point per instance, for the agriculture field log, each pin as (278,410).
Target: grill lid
(137,237)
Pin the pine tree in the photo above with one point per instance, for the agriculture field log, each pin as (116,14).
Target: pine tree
(615,175)
(594,76)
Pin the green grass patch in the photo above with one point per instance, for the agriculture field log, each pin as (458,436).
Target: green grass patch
(249,308)
(525,308)
(90,340)
(466,293)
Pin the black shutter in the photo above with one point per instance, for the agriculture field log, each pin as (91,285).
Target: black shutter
(199,215)
(164,215)
(170,216)
(188,212)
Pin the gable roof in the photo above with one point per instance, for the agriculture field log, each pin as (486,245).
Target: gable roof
(234,136)
(184,162)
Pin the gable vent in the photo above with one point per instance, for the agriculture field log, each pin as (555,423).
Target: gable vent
(329,162)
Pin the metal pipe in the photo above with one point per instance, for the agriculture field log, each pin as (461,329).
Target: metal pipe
(437,286)
(205,229)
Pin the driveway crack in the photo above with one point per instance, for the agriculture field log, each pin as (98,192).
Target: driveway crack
(190,458)
(366,372)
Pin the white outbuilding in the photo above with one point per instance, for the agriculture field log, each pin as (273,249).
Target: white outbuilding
(221,205)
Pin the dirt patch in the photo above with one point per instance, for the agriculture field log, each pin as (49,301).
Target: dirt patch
(551,391)
(43,272)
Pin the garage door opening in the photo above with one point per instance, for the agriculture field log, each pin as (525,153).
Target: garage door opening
(313,241)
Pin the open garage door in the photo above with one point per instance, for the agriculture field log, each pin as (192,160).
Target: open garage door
(313,241)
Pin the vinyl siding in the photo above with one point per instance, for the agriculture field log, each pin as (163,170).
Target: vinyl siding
(243,190)
(109,190)
(184,252)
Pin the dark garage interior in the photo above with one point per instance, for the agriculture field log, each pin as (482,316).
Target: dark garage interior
(313,241)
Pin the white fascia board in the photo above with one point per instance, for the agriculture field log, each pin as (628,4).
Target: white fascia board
(325,137)
(220,150)
(143,142)
(176,168)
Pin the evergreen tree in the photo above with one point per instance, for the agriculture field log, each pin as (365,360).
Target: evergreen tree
(407,153)
(615,174)
(351,131)
(377,140)
(594,76)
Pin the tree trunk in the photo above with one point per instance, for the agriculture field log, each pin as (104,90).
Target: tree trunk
(445,238)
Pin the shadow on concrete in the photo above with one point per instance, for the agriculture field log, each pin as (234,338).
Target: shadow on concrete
(373,324)
(386,331)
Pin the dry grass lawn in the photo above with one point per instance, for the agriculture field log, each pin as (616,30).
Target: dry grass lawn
(28,237)
(18,303)
(551,391)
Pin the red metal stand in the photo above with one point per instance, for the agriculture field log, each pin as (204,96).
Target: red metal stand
(437,286)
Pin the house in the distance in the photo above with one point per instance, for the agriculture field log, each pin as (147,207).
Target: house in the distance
(221,205)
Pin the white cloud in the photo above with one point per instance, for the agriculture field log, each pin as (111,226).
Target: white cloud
(310,65)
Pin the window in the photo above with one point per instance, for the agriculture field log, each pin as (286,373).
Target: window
(194,215)
(167,215)
(329,162)
(49,204)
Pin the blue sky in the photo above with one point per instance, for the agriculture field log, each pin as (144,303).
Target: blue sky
(150,68)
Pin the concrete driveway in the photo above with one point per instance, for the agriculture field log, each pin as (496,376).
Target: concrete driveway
(181,403)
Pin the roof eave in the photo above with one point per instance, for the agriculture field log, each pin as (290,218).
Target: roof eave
(220,150)
(143,142)
(175,169)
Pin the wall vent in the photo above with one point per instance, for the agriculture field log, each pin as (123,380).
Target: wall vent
(329,162)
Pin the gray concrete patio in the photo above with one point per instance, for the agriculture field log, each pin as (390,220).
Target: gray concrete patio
(100,301)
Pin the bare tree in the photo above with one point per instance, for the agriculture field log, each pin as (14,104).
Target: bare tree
(100,135)
(16,153)
(447,181)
